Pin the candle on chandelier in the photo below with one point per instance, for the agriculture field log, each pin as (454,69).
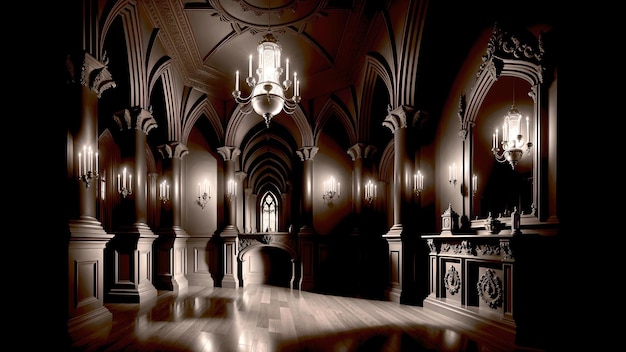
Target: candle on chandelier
(296,84)
(287,69)
(250,67)
(237,80)
(496,134)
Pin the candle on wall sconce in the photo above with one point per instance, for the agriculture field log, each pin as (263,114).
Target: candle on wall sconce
(452,174)
(87,166)
(370,191)
(125,183)
(418,183)
(474,184)
(332,189)
(231,189)
(164,191)
(204,193)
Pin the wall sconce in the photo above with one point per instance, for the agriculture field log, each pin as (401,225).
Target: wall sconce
(452,174)
(87,162)
(418,183)
(370,191)
(204,193)
(514,146)
(332,189)
(474,184)
(231,190)
(164,191)
(125,183)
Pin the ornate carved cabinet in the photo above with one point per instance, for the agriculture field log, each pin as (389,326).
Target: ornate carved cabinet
(498,284)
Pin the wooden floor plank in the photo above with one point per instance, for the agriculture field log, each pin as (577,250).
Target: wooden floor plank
(264,318)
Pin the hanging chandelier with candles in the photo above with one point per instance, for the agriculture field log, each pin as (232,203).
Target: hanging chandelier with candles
(267,97)
(515,144)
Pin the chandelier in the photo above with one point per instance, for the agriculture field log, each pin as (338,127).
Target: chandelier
(515,144)
(267,97)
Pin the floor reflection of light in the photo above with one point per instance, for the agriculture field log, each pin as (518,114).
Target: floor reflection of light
(451,339)
(198,305)
(205,340)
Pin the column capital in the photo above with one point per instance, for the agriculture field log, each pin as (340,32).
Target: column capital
(241,175)
(399,117)
(307,153)
(93,74)
(135,117)
(361,150)
(228,153)
(173,150)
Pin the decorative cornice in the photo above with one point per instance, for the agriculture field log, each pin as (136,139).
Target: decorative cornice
(178,40)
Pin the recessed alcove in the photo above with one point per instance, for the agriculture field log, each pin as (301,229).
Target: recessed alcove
(268,265)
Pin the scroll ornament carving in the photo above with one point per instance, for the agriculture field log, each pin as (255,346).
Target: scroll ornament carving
(463,247)
(431,246)
(452,281)
(505,246)
(245,242)
(490,289)
(503,45)
(490,250)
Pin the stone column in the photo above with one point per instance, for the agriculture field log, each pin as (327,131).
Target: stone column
(130,251)
(250,213)
(397,121)
(240,201)
(171,246)
(358,272)
(230,233)
(306,243)
(358,153)
(86,311)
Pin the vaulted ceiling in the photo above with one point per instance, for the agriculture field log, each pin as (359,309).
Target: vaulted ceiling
(209,40)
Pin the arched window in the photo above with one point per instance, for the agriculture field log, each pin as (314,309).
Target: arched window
(269,213)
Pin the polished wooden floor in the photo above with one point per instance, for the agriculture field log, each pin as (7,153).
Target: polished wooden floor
(270,318)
